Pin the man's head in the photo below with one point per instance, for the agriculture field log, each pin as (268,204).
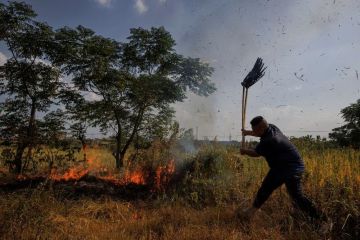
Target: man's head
(259,125)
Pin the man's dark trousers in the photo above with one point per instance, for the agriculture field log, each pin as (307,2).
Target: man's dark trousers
(274,179)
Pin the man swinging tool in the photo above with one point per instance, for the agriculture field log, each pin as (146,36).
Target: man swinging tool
(286,166)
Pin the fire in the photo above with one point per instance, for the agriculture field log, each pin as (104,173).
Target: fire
(163,174)
(3,170)
(141,176)
(71,174)
(157,179)
(74,173)
(137,177)
(21,177)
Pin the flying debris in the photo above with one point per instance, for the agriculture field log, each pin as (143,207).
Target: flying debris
(299,77)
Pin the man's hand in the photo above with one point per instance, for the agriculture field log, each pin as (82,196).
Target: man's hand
(249,152)
(246,132)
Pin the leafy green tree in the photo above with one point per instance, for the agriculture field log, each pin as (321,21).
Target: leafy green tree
(79,125)
(52,128)
(349,134)
(28,81)
(135,82)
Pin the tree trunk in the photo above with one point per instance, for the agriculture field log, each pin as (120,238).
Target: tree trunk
(18,157)
(131,138)
(27,142)
(118,157)
(31,131)
(84,146)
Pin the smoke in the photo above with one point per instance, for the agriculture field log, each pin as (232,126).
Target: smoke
(197,112)
(186,141)
(302,43)
(188,145)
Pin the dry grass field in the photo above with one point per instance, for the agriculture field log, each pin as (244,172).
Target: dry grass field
(200,206)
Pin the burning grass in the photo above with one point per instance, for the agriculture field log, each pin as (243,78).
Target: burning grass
(95,171)
(212,184)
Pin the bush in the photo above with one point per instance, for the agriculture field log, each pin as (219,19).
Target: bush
(207,177)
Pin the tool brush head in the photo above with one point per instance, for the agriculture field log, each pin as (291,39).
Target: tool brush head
(255,74)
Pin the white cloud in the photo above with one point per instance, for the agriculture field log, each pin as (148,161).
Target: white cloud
(3,59)
(162,1)
(104,3)
(140,6)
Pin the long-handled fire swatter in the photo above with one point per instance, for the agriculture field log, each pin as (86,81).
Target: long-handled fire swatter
(251,78)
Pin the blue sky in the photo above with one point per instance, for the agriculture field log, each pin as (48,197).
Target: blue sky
(311,48)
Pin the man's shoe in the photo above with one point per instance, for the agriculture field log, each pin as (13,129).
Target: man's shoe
(247,214)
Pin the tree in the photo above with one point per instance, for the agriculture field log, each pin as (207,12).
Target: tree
(79,124)
(135,82)
(348,134)
(28,81)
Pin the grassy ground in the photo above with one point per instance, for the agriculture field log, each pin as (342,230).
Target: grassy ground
(202,207)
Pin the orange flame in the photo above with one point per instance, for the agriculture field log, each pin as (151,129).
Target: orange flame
(71,174)
(139,176)
(163,174)
(21,177)
(74,173)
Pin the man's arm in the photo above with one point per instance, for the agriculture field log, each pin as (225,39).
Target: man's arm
(247,133)
(249,152)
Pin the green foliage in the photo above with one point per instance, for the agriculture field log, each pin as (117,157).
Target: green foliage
(29,83)
(13,119)
(7,155)
(132,84)
(208,178)
(309,143)
(349,134)
(52,128)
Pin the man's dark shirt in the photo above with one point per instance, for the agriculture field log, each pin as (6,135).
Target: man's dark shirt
(279,152)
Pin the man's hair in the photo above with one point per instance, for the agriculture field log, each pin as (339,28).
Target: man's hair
(256,120)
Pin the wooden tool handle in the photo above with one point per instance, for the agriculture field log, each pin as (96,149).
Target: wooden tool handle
(244,103)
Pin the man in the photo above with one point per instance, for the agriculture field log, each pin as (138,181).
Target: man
(286,166)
